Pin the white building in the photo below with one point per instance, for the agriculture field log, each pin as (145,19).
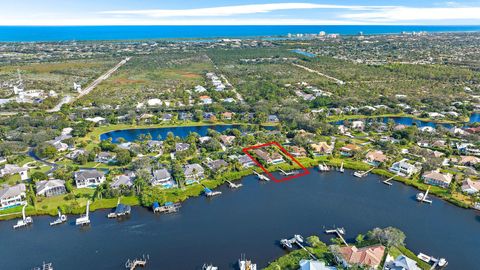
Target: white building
(89,178)
(10,169)
(13,196)
(403,168)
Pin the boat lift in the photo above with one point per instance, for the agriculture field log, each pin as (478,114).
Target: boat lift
(85,219)
(120,211)
(132,265)
(25,221)
(61,218)
(210,193)
(441,263)
(297,240)
(424,197)
(361,174)
(233,185)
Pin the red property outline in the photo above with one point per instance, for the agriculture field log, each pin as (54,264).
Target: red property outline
(305,171)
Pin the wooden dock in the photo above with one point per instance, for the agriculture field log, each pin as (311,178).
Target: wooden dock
(338,232)
(387,182)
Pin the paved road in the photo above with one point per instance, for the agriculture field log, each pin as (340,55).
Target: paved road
(69,99)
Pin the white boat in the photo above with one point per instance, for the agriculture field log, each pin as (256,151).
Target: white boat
(424,257)
(25,221)
(286,243)
(420,196)
(323,167)
(245,264)
(442,262)
(423,197)
(360,174)
(298,238)
(45,266)
(85,219)
(61,219)
(209,267)
(341,231)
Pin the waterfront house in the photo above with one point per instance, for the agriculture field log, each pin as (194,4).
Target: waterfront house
(193,173)
(246,161)
(402,262)
(209,116)
(470,187)
(297,151)
(204,139)
(180,147)
(122,180)
(436,178)
(13,196)
(269,158)
(314,265)
(403,168)
(105,157)
(375,158)
(50,188)
(227,140)
(89,178)
(427,129)
(162,178)
(369,257)
(11,169)
(349,150)
(217,165)
(154,145)
(321,148)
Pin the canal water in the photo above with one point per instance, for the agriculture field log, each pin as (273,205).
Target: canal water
(131,135)
(250,220)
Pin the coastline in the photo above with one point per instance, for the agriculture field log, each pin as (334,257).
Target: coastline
(197,189)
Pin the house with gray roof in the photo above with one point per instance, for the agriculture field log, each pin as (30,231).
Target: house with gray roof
(217,165)
(10,169)
(13,196)
(122,180)
(179,147)
(402,262)
(89,178)
(162,178)
(50,188)
(193,173)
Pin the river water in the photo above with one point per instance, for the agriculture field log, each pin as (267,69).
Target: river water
(250,220)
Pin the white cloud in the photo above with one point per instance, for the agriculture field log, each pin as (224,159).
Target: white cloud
(402,14)
(235,10)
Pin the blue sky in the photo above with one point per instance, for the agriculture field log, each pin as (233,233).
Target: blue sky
(238,12)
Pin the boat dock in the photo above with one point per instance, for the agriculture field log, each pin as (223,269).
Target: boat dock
(261,176)
(288,173)
(45,266)
(25,221)
(120,211)
(132,265)
(233,185)
(61,219)
(168,207)
(387,182)
(440,263)
(210,193)
(297,240)
(361,174)
(85,219)
(244,264)
(424,197)
(341,168)
(339,232)
(323,167)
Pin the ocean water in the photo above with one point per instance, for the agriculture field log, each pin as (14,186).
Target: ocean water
(68,33)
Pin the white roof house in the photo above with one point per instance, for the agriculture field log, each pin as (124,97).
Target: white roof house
(89,178)
(402,262)
(154,102)
(13,196)
(122,180)
(403,168)
(10,169)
